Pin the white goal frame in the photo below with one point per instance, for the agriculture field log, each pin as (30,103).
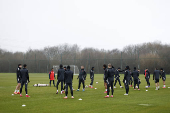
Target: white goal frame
(74,68)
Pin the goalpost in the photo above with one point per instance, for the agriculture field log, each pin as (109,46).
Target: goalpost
(73,68)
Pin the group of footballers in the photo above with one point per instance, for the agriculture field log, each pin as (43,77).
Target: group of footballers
(65,77)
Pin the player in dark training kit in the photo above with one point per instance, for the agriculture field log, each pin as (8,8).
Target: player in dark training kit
(91,77)
(105,83)
(163,75)
(82,78)
(24,80)
(156,78)
(18,79)
(68,80)
(147,76)
(117,77)
(109,78)
(64,78)
(60,78)
(135,75)
(126,79)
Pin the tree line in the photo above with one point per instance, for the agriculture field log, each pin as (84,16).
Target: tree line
(146,55)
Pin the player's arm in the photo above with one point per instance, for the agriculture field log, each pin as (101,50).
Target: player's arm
(49,75)
(85,74)
(28,76)
(106,74)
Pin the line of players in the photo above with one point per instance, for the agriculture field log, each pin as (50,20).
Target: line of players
(65,75)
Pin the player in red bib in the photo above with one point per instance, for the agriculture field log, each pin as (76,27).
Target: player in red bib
(52,77)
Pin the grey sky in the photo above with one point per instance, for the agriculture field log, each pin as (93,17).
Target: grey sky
(100,24)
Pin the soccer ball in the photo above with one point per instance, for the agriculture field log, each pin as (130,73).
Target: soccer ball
(146,87)
(86,86)
(136,86)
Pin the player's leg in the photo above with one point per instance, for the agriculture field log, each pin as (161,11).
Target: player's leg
(119,83)
(112,88)
(163,78)
(135,84)
(105,84)
(54,83)
(91,84)
(26,89)
(79,85)
(22,84)
(108,90)
(138,84)
(115,83)
(126,87)
(57,86)
(71,89)
(62,91)
(50,83)
(156,84)
(66,90)
(83,82)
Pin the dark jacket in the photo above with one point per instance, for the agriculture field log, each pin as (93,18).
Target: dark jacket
(18,73)
(163,74)
(24,75)
(127,75)
(105,70)
(68,76)
(135,74)
(147,74)
(60,74)
(82,74)
(110,74)
(156,74)
(117,73)
(91,74)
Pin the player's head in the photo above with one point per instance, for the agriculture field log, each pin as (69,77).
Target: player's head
(146,69)
(161,69)
(19,65)
(104,66)
(92,68)
(68,67)
(52,69)
(65,67)
(156,68)
(61,66)
(134,68)
(127,67)
(25,65)
(109,65)
(82,67)
(119,68)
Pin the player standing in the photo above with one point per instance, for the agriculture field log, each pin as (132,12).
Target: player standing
(126,79)
(163,75)
(52,77)
(18,79)
(68,80)
(82,78)
(110,79)
(147,76)
(60,78)
(105,83)
(135,75)
(64,78)
(91,77)
(24,80)
(156,78)
(117,77)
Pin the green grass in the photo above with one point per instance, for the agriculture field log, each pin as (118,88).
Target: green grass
(44,99)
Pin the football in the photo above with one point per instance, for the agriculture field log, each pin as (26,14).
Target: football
(146,87)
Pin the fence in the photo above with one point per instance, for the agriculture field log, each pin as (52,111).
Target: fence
(44,66)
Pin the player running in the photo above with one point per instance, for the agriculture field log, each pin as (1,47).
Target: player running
(163,75)
(147,76)
(24,80)
(156,78)
(82,78)
(18,79)
(135,75)
(60,78)
(68,80)
(126,79)
(110,79)
(105,83)
(91,77)
(117,77)
(52,76)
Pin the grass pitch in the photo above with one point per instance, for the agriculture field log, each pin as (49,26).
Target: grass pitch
(44,99)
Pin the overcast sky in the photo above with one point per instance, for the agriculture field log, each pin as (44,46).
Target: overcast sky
(107,24)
